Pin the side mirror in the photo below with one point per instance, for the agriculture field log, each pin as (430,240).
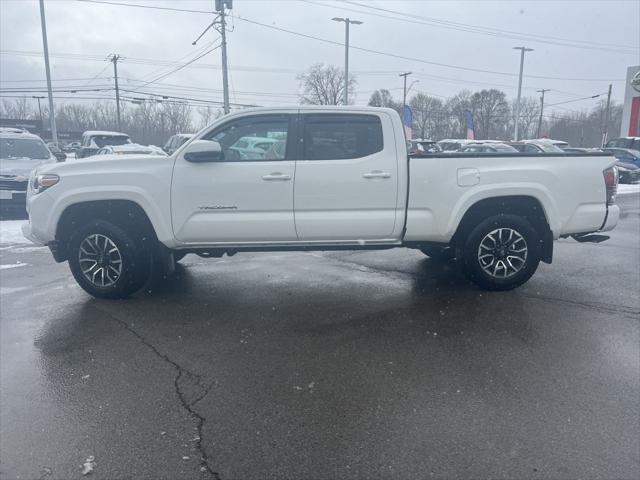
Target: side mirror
(60,156)
(202,151)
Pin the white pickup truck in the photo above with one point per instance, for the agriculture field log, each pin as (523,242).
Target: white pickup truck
(314,178)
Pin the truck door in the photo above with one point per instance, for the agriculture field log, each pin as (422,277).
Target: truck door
(347,177)
(247,196)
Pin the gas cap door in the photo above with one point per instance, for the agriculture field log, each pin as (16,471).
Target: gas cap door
(467,177)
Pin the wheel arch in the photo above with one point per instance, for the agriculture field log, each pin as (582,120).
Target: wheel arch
(522,205)
(127,214)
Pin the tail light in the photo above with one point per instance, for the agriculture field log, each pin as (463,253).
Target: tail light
(611,184)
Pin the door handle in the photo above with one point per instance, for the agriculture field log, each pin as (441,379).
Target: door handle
(276,176)
(376,174)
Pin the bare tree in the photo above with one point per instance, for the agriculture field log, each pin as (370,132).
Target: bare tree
(529,115)
(427,114)
(324,85)
(456,106)
(491,113)
(20,108)
(208,115)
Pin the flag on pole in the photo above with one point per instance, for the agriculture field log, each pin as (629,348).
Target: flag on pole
(469,120)
(407,121)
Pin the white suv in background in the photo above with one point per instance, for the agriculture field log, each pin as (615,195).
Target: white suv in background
(20,153)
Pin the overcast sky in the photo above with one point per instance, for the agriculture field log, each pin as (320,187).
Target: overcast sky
(264,61)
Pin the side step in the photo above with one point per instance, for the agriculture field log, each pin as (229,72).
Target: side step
(590,238)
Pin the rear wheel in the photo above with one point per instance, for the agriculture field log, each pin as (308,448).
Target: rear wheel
(108,262)
(501,253)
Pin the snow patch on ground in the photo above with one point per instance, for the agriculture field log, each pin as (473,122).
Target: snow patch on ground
(628,189)
(11,233)
(13,265)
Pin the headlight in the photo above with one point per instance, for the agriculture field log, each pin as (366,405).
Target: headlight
(42,182)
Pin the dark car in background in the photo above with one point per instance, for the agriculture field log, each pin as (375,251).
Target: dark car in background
(94,140)
(624,142)
(628,163)
(72,147)
(628,172)
(625,155)
(176,141)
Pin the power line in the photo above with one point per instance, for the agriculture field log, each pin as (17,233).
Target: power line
(488,30)
(413,59)
(152,7)
(338,43)
(164,75)
(577,99)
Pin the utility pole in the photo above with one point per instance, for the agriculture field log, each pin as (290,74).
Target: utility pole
(404,89)
(39,110)
(605,130)
(220,6)
(45,45)
(541,109)
(114,59)
(517,114)
(347,21)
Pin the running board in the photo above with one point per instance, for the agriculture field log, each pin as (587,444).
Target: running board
(590,238)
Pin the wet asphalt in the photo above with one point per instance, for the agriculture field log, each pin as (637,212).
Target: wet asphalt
(326,365)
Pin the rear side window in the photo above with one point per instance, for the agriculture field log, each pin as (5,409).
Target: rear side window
(340,137)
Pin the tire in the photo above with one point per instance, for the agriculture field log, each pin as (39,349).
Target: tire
(439,254)
(127,267)
(509,261)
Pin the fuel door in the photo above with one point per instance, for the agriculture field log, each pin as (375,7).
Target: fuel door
(468,177)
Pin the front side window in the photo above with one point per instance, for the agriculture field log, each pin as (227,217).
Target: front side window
(339,137)
(239,139)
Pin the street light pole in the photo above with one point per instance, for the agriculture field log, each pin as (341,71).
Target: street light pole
(541,109)
(517,113)
(347,21)
(45,45)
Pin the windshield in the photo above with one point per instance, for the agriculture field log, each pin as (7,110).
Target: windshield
(31,148)
(104,140)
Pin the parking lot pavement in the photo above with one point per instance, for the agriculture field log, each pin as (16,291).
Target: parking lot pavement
(326,365)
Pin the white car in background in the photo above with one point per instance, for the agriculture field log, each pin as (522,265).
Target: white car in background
(176,141)
(94,140)
(131,149)
(488,147)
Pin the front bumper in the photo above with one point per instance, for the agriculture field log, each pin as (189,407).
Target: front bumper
(28,233)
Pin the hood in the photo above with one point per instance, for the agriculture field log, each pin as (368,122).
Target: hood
(104,163)
(22,167)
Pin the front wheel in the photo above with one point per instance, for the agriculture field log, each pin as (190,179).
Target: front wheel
(107,262)
(501,253)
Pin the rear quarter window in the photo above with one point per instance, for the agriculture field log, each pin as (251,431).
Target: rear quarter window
(340,137)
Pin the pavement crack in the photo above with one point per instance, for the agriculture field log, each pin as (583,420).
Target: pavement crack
(603,307)
(189,390)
